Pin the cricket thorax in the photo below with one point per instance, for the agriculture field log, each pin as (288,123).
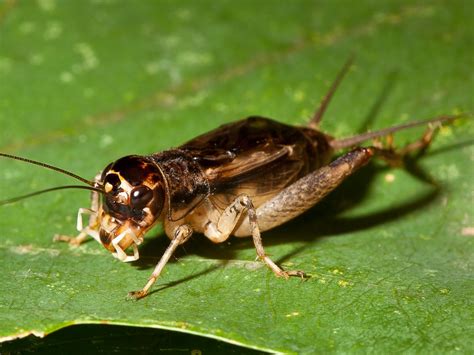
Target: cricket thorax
(134,196)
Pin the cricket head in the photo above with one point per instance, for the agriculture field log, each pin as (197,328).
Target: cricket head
(132,201)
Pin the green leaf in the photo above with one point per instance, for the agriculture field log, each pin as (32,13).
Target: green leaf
(84,83)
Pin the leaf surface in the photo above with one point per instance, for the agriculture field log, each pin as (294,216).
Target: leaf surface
(390,256)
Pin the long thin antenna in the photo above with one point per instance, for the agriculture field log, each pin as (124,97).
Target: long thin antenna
(351,141)
(318,115)
(47,166)
(18,198)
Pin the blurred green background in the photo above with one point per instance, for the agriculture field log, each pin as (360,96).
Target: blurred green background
(85,82)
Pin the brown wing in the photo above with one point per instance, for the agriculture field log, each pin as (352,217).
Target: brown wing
(246,162)
(259,173)
(255,156)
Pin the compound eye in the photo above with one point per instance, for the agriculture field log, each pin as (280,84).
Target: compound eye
(140,197)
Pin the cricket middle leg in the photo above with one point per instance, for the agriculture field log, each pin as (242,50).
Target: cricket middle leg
(230,217)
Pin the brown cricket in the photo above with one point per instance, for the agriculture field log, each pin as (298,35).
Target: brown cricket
(240,179)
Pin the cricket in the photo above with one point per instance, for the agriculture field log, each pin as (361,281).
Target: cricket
(240,179)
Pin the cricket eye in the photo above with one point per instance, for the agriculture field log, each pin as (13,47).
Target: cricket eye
(140,197)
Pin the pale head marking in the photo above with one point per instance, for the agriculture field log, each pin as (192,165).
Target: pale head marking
(108,187)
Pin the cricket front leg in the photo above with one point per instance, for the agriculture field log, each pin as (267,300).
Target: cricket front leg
(181,235)
(92,226)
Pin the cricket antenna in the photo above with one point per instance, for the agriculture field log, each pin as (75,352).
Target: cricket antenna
(318,115)
(47,166)
(18,198)
(354,140)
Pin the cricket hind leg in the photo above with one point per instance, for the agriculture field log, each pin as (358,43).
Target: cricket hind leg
(312,188)
(307,191)
(295,199)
